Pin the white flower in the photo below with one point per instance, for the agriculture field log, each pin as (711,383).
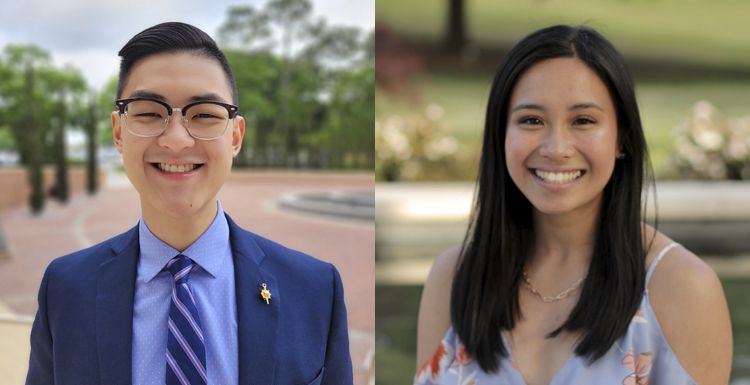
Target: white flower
(698,159)
(737,149)
(703,110)
(394,138)
(683,146)
(707,145)
(434,112)
(440,148)
(708,139)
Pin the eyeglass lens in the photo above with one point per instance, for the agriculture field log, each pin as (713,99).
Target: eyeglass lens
(147,118)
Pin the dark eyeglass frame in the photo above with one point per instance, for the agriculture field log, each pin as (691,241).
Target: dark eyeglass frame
(231,109)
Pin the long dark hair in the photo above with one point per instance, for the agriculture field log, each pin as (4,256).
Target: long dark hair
(484,297)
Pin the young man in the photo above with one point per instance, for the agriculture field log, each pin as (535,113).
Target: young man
(186,296)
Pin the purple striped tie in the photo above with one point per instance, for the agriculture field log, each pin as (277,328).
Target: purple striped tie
(186,352)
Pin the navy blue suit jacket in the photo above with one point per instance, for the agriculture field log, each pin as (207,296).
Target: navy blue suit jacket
(83,329)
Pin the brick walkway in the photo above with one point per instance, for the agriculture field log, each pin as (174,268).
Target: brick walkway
(249,198)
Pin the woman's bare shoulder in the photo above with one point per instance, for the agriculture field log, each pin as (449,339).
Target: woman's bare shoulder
(434,309)
(689,303)
(445,264)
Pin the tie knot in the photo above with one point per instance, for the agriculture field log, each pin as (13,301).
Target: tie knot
(180,266)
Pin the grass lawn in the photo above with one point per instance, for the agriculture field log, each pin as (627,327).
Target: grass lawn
(396,310)
(662,106)
(709,31)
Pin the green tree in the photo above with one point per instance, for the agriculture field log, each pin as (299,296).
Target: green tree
(291,88)
(257,75)
(22,99)
(252,28)
(97,124)
(37,102)
(368,48)
(90,127)
(32,145)
(246,28)
(7,78)
(348,126)
(292,16)
(106,104)
(455,31)
(64,86)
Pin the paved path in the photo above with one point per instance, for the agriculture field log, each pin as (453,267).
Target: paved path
(250,198)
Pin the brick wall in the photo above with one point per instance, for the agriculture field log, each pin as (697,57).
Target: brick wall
(15,188)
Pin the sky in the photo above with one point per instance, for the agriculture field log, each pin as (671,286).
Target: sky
(89,33)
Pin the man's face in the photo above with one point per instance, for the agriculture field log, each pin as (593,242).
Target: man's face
(178,79)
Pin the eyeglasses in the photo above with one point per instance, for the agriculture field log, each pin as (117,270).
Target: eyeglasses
(148,117)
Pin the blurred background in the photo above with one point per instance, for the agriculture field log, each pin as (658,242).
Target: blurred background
(435,63)
(305,72)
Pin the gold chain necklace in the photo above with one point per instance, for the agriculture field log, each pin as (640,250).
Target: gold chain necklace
(557,297)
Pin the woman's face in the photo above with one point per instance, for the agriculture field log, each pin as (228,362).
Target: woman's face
(561,138)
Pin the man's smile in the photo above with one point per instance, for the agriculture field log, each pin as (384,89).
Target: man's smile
(165,167)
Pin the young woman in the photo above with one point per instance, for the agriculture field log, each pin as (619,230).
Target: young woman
(558,282)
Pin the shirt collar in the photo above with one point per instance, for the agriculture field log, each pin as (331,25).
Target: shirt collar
(155,254)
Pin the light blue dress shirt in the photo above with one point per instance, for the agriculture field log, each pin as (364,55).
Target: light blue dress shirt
(212,284)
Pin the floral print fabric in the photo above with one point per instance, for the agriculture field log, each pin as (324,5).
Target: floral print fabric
(434,369)
(640,356)
(640,366)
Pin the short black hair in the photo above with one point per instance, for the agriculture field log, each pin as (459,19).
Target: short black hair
(484,297)
(172,37)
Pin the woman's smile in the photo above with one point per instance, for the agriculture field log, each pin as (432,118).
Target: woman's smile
(560,177)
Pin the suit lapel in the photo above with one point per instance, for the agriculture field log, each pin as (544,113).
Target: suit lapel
(114,310)
(257,322)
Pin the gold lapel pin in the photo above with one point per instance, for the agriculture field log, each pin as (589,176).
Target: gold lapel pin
(265,293)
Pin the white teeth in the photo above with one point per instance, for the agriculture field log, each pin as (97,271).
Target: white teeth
(172,168)
(557,178)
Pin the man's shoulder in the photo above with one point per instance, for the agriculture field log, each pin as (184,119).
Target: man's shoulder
(92,257)
(277,253)
(279,259)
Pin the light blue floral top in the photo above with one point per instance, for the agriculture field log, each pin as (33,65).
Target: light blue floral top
(640,356)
